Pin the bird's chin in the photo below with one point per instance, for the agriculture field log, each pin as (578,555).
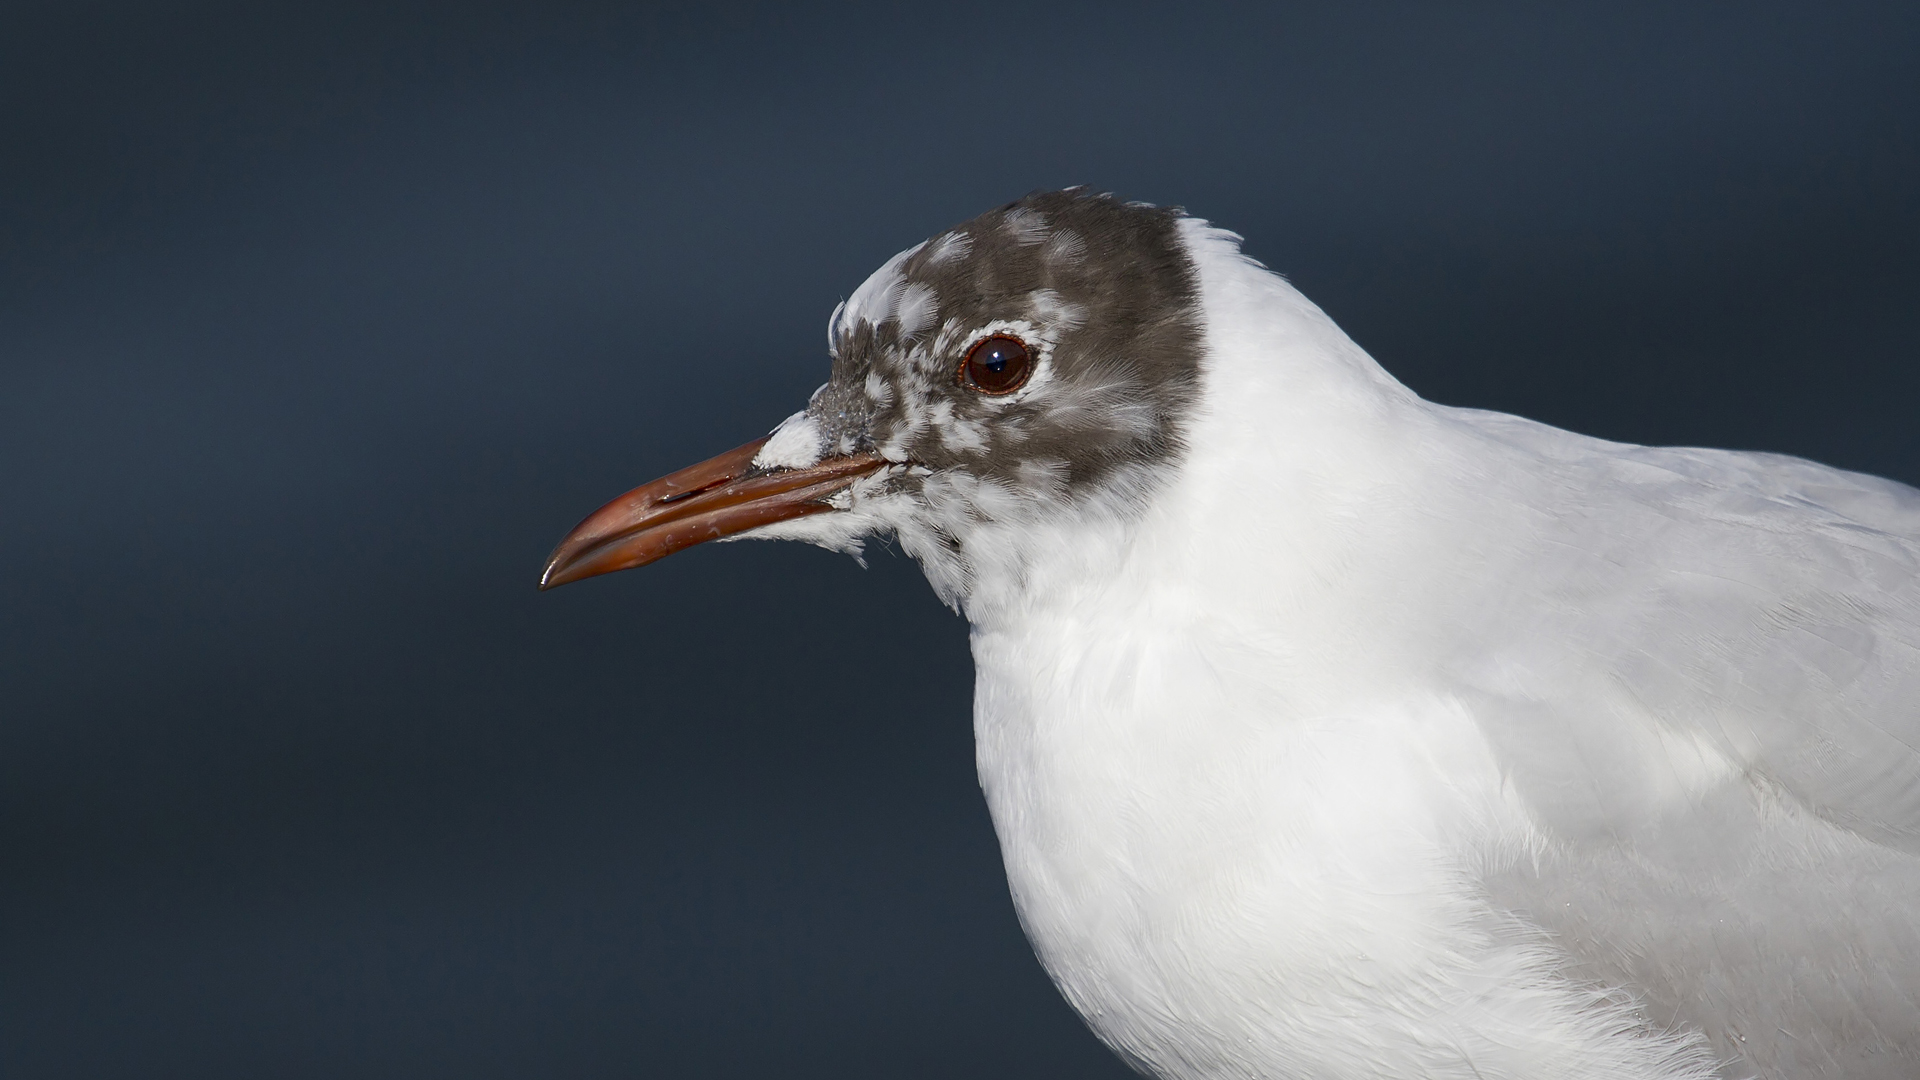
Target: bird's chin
(844,530)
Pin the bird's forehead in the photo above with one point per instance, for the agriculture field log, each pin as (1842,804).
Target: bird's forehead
(1017,262)
(875,301)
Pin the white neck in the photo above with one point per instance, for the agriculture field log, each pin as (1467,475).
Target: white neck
(1295,432)
(1240,829)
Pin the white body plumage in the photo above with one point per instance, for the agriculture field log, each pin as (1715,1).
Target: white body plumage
(1249,815)
(1333,734)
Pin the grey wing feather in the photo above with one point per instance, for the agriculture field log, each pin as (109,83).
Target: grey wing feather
(1766,609)
(1765,603)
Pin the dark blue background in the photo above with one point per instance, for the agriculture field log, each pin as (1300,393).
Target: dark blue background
(320,323)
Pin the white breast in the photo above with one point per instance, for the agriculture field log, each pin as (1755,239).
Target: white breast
(1242,832)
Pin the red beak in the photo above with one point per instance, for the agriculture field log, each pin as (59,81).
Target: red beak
(718,497)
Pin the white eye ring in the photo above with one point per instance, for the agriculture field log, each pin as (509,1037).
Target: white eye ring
(996,365)
(1039,346)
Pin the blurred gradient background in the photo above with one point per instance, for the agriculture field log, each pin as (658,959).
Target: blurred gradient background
(320,324)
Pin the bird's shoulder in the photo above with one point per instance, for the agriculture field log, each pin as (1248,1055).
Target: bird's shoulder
(1689,616)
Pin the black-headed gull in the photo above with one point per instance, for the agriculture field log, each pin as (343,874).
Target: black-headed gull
(1332,733)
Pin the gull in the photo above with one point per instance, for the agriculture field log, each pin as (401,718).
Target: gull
(1332,733)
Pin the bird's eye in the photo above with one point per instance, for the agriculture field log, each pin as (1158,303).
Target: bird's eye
(997,365)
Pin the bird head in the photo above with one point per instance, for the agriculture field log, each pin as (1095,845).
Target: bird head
(1024,375)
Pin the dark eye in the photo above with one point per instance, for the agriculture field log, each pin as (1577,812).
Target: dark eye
(997,365)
